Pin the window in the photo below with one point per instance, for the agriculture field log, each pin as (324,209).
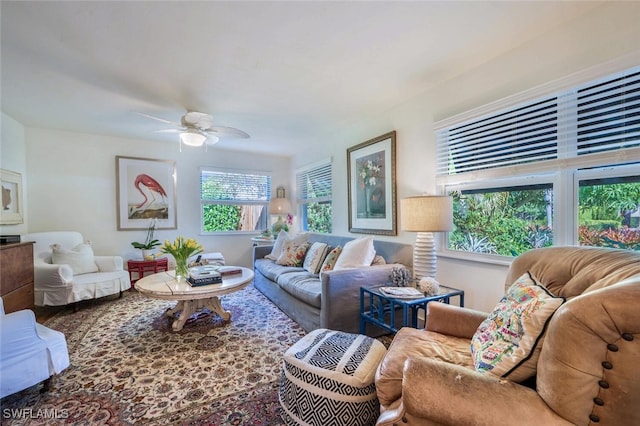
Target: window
(560,169)
(234,201)
(608,214)
(314,187)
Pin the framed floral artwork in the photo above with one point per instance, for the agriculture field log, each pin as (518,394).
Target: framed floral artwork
(11,213)
(371,169)
(146,191)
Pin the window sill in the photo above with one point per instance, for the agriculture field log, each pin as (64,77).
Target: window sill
(493,259)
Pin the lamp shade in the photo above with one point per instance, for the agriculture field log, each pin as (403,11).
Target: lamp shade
(431,213)
(192,138)
(279,206)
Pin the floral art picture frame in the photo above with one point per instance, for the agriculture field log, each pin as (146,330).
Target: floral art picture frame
(11,212)
(146,191)
(371,170)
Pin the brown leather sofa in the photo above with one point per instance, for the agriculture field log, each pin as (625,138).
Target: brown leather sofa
(588,372)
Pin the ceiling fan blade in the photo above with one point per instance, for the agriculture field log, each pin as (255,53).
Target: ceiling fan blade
(159,119)
(169,131)
(227,132)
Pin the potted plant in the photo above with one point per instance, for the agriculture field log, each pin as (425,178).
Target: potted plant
(149,243)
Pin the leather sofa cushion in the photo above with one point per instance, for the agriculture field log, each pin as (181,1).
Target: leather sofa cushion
(303,286)
(411,342)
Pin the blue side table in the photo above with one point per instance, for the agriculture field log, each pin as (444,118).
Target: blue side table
(380,309)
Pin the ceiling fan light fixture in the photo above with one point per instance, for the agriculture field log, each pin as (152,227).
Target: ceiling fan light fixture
(212,140)
(192,138)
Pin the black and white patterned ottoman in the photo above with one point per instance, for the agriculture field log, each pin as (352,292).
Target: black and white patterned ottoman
(328,380)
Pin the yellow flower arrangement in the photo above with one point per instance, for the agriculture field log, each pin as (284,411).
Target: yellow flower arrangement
(182,249)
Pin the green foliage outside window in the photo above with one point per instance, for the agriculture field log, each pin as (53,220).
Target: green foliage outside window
(608,214)
(318,217)
(220,217)
(506,222)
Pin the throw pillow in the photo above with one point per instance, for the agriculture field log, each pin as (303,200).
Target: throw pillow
(80,258)
(282,238)
(356,253)
(507,344)
(293,253)
(330,260)
(314,257)
(378,260)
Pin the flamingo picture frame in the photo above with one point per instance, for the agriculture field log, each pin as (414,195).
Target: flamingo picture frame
(145,190)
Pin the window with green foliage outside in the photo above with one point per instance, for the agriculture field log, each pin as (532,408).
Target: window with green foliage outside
(609,214)
(505,221)
(561,169)
(234,201)
(314,185)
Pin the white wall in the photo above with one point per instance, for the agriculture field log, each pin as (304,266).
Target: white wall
(13,158)
(72,186)
(602,35)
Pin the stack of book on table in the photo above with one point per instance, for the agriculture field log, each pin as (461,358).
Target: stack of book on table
(204,275)
(210,274)
(401,292)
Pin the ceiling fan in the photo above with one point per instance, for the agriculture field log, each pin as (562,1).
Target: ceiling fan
(197,127)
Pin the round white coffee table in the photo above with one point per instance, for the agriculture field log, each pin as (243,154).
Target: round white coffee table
(163,285)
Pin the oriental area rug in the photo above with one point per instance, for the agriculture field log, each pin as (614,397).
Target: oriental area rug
(129,367)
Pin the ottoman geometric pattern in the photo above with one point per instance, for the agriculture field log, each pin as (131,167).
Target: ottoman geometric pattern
(328,380)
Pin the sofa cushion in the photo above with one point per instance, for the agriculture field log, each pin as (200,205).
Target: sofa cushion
(507,344)
(272,270)
(80,258)
(411,342)
(303,286)
(293,253)
(314,257)
(356,254)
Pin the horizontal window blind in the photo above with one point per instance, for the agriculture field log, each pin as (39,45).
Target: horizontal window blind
(609,115)
(314,184)
(593,118)
(216,185)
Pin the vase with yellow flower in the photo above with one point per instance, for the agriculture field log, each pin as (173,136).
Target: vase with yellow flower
(181,250)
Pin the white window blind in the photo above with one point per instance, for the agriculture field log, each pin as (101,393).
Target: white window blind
(314,184)
(596,117)
(609,115)
(216,185)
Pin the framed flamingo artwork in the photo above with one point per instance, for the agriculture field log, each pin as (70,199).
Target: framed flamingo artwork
(145,191)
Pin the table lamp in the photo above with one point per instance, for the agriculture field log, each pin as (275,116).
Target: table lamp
(425,215)
(279,206)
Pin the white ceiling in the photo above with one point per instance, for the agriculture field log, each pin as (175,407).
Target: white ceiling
(280,71)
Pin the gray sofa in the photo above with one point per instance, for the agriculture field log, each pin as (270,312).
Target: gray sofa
(332,302)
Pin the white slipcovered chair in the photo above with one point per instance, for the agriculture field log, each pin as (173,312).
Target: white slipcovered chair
(57,284)
(29,352)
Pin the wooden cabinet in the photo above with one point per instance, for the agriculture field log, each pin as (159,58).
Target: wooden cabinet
(16,276)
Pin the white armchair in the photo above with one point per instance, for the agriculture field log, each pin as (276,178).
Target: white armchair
(56,284)
(29,352)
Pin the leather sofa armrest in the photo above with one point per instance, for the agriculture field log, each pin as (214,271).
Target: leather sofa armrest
(449,394)
(109,263)
(453,320)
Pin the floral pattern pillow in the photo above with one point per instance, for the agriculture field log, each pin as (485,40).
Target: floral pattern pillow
(330,260)
(507,344)
(293,253)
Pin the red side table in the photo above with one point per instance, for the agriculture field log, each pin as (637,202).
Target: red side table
(139,267)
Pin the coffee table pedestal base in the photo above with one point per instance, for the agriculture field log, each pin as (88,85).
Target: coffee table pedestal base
(186,308)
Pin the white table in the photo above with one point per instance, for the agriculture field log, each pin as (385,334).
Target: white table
(164,286)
